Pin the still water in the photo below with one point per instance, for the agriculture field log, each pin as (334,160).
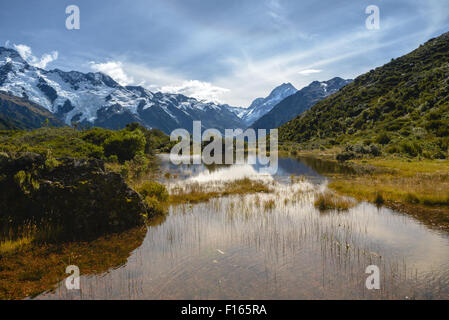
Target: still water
(236,247)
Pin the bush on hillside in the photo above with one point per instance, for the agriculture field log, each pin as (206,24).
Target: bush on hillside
(125,145)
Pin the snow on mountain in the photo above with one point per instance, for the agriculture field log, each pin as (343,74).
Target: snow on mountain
(96,99)
(238,111)
(299,102)
(261,106)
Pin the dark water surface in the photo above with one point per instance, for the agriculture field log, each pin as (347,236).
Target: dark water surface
(237,248)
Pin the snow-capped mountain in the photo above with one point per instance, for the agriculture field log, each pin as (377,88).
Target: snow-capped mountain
(299,102)
(238,111)
(96,99)
(261,106)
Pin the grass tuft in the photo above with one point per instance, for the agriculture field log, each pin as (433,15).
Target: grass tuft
(330,201)
(196,193)
(269,205)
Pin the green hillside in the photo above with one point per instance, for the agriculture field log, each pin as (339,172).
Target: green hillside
(401,107)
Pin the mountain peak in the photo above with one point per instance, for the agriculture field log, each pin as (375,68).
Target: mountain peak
(299,102)
(7,54)
(261,106)
(284,88)
(392,95)
(333,84)
(338,81)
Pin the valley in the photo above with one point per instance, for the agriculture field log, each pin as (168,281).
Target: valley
(362,179)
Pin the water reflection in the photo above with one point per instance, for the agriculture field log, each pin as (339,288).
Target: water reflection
(239,248)
(286,168)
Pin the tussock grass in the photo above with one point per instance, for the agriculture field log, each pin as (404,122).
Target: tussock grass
(155,196)
(7,246)
(419,189)
(331,201)
(269,205)
(196,193)
(411,167)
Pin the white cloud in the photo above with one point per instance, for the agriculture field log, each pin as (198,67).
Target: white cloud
(203,91)
(159,79)
(153,78)
(27,54)
(114,69)
(309,71)
(47,58)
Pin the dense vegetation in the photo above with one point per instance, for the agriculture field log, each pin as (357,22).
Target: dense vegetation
(50,199)
(399,108)
(97,143)
(65,184)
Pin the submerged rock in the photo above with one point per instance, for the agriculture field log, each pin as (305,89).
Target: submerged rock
(67,198)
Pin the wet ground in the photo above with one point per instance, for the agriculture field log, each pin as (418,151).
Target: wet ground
(274,246)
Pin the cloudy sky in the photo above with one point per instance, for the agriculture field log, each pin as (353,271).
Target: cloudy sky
(224,50)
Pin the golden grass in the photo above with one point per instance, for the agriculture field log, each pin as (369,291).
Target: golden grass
(419,189)
(200,193)
(410,167)
(331,201)
(7,246)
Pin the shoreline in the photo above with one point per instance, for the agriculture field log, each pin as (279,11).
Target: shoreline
(410,186)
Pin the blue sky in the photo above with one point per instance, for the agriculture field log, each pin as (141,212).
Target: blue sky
(229,51)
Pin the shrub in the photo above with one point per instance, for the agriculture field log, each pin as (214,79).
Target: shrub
(346,155)
(155,195)
(383,139)
(379,199)
(411,148)
(113,159)
(439,155)
(405,132)
(393,149)
(136,168)
(97,136)
(153,189)
(155,208)
(125,145)
(374,150)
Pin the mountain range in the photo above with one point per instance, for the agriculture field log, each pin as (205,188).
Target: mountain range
(297,103)
(95,99)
